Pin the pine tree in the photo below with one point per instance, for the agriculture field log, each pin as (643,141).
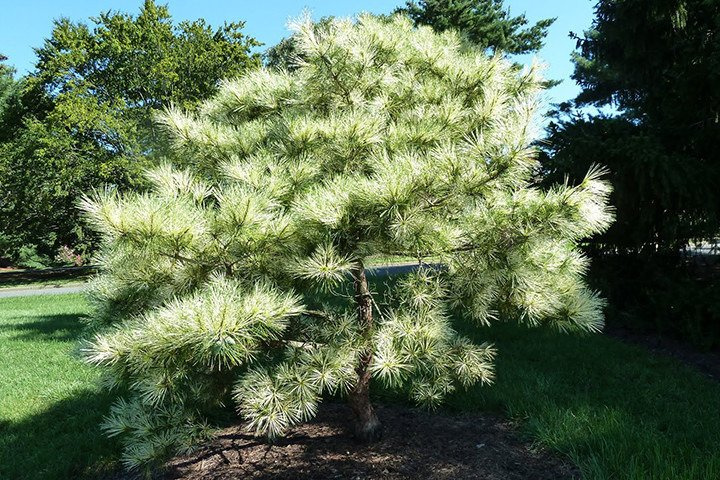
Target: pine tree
(487,23)
(388,139)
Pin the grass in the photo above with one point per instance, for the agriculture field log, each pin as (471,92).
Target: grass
(618,411)
(49,277)
(50,406)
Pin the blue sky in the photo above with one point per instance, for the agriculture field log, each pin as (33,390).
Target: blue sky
(25,24)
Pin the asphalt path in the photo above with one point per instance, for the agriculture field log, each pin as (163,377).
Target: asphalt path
(26,292)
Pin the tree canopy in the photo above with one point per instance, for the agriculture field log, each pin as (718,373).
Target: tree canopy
(249,286)
(82,118)
(485,22)
(653,64)
(7,84)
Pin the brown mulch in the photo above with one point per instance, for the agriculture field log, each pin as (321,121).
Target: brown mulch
(415,445)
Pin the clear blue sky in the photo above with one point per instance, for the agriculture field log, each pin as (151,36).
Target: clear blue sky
(24,24)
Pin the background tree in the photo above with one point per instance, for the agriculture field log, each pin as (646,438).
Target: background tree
(8,89)
(7,84)
(651,69)
(386,140)
(286,54)
(83,117)
(486,23)
(654,64)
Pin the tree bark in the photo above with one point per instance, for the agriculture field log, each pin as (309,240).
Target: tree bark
(367,425)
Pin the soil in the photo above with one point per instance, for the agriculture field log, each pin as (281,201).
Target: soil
(415,445)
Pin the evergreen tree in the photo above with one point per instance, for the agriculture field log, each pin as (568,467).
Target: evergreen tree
(485,23)
(286,55)
(653,64)
(388,139)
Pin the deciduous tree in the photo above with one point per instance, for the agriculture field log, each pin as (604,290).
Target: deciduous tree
(82,118)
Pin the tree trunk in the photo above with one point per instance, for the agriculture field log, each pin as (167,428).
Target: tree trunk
(367,425)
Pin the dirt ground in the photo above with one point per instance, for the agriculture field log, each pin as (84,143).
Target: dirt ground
(415,445)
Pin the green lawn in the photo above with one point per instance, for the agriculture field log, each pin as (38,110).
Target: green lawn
(50,406)
(618,411)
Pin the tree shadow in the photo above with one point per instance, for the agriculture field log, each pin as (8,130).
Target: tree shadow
(25,277)
(616,407)
(57,327)
(62,442)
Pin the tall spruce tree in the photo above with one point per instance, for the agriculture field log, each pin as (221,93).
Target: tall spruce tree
(653,64)
(486,23)
(388,139)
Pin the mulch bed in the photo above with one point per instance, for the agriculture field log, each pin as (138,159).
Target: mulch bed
(415,445)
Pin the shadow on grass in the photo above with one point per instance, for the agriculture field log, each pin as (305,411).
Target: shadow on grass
(48,275)
(60,327)
(618,410)
(63,442)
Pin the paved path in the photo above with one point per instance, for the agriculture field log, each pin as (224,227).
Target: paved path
(389,270)
(26,292)
(372,271)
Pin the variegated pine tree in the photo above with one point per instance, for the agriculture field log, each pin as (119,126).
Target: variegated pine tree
(386,139)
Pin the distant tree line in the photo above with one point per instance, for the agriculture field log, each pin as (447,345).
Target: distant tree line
(649,111)
(82,118)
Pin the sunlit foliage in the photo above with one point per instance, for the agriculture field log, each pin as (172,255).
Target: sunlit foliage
(387,139)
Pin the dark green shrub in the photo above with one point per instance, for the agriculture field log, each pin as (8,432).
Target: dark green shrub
(669,295)
(28,257)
